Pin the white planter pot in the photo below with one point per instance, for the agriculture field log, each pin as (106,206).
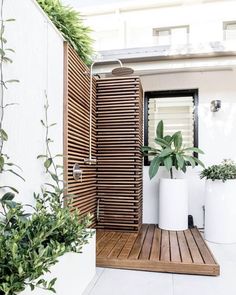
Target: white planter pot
(220,211)
(173,204)
(74,272)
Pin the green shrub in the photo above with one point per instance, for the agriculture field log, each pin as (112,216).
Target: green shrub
(224,171)
(171,153)
(70,23)
(31,243)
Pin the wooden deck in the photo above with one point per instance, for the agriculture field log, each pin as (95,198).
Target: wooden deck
(152,249)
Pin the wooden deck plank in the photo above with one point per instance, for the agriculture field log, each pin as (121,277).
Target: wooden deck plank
(128,246)
(206,254)
(184,250)
(174,247)
(100,234)
(119,246)
(153,249)
(103,241)
(195,254)
(165,246)
(134,254)
(155,252)
(109,246)
(147,244)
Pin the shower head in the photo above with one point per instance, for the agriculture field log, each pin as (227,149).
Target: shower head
(122,71)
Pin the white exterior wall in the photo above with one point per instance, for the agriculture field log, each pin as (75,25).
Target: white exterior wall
(131,26)
(216,132)
(38,64)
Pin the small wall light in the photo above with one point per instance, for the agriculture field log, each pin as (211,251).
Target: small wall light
(215,105)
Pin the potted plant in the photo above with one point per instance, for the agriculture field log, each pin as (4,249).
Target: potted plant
(173,192)
(220,202)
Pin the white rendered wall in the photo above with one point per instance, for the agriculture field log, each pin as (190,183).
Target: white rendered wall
(131,27)
(216,132)
(38,64)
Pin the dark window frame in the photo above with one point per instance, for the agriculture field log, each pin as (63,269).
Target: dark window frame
(170,93)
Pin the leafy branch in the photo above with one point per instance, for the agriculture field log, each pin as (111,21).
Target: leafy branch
(53,169)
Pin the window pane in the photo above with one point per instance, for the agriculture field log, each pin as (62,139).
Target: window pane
(179,35)
(230,31)
(177,114)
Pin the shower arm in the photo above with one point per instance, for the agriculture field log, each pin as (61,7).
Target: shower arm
(90,160)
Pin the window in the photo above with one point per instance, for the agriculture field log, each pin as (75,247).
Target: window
(177,109)
(229,30)
(171,35)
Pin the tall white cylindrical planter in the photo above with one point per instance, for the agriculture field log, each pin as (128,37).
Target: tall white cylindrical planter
(173,204)
(220,211)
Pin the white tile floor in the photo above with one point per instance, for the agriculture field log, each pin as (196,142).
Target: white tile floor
(125,282)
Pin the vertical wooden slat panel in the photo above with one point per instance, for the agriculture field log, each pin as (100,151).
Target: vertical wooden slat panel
(76,132)
(119,158)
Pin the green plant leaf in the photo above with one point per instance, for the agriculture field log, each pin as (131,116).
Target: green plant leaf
(168,163)
(12,81)
(168,138)
(199,162)
(190,160)
(3,135)
(160,129)
(41,156)
(9,187)
(180,161)
(162,142)
(194,149)
(48,163)
(8,197)
(184,168)
(178,140)
(154,166)
(17,174)
(166,152)
(2,161)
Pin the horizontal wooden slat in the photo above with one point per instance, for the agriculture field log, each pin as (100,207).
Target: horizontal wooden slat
(119,159)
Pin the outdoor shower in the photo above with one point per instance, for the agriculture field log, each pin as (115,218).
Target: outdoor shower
(120,71)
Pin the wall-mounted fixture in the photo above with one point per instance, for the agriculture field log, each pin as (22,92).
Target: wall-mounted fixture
(77,172)
(120,71)
(215,105)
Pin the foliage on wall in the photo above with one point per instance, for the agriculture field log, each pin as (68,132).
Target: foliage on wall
(6,166)
(70,24)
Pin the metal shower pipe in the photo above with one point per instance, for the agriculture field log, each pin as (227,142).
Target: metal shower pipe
(90,160)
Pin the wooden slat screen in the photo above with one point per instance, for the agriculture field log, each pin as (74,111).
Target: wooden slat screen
(119,159)
(76,132)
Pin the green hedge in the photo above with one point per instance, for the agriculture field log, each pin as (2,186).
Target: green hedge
(70,23)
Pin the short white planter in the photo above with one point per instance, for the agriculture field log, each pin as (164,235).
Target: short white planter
(220,211)
(173,204)
(74,272)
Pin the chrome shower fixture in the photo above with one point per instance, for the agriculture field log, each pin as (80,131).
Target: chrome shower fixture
(119,71)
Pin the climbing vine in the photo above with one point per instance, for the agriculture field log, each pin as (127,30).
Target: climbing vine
(5,164)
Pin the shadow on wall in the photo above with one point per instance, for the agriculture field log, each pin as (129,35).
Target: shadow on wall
(219,140)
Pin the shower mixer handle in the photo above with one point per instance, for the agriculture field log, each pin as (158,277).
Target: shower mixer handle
(77,172)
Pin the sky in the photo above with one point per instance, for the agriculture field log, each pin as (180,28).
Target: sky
(84,3)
